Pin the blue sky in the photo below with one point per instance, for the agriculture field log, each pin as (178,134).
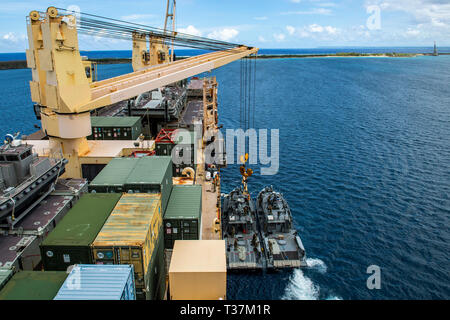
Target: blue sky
(262,23)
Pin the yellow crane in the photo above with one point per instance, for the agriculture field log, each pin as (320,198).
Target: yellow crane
(151,50)
(65,95)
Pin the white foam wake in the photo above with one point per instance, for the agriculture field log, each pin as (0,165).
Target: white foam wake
(300,287)
(316,264)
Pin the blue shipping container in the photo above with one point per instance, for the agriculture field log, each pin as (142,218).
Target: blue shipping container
(99,282)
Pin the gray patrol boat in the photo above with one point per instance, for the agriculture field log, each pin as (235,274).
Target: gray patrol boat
(25,179)
(283,246)
(243,245)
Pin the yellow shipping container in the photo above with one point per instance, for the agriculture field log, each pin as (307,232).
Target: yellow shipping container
(130,236)
(198,270)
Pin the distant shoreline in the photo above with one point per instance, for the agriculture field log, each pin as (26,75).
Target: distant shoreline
(22,64)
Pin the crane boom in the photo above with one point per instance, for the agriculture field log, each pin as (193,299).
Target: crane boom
(133,84)
(61,88)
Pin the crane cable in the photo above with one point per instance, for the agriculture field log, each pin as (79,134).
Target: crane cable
(95,25)
(247,94)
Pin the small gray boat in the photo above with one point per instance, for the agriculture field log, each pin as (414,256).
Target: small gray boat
(283,246)
(166,103)
(243,244)
(25,179)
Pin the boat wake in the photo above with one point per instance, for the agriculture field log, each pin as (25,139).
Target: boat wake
(301,287)
(316,264)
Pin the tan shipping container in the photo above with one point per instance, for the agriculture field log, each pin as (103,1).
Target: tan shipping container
(130,236)
(198,270)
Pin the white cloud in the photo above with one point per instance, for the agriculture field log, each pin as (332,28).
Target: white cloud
(279,37)
(290,30)
(315,11)
(315,28)
(412,32)
(12,37)
(261,39)
(13,42)
(296,1)
(326,4)
(428,20)
(225,34)
(431,12)
(331,30)
(314,31)
(260,18)
(190,30)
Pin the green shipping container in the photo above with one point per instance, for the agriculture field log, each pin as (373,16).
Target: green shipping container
(183,146)
(136,175)
(156,283)
(182,219)
(115,128)
(152,175)
(5,275)
(69,243)
(33,285)
(112,178)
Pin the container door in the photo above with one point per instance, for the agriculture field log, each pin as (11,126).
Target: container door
(132,255)
(186,232)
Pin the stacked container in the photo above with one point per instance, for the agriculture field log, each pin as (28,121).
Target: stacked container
(69,243)
(181,143)
(112,178)
(133,235)
(5,275)
(136,175)
(33,285)
(152,175)
(98,282)
(115,128)
(182,219)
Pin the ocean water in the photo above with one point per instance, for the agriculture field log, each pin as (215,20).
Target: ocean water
(192,52)
(364,165)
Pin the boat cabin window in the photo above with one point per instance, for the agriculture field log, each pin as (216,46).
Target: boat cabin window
(25,155)
(12,158)
(2,158)
(241,228)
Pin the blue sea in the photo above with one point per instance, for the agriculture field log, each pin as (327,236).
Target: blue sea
(124,54)
(364,165)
